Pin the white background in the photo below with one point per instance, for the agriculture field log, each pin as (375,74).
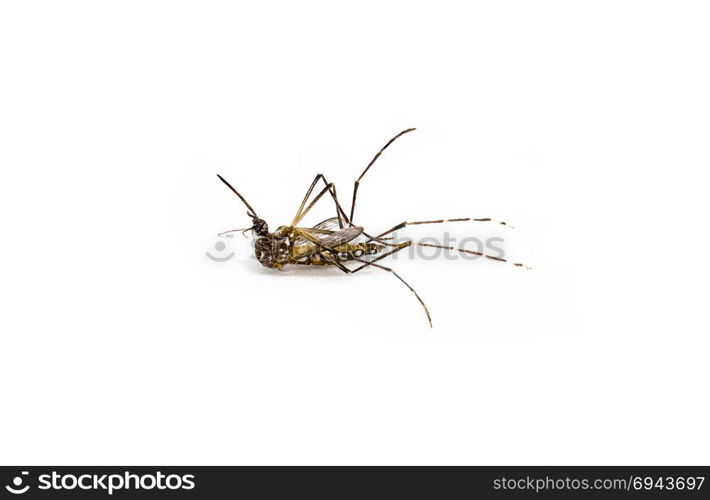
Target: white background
(585,124)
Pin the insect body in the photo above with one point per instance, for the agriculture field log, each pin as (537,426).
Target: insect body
(311,246)
(337,241)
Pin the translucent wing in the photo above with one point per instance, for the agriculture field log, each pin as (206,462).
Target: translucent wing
(331,224)
(317,240)
(341,237)
(315,233)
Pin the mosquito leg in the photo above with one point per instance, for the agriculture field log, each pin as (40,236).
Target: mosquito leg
(426,310)
(440,221)
(308,193)
(327,189)
(374,264)
(338,264)
(473,252)
(300,214)
(333,260)
(390,270)
(342,217)
(396,249)
(357,182)
(384,241)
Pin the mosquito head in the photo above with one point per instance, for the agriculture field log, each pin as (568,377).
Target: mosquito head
(260,227)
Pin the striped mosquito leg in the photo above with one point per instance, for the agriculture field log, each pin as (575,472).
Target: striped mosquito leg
(338,265)
(330,187)
(390,270)
(441,221)
(342,217)
(473,252)
(465,219)
(426,310)
(372,162)
(366,263)
(327,189)
(384,241)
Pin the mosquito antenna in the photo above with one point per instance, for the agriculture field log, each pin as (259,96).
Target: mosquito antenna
(253,212)
(236,230)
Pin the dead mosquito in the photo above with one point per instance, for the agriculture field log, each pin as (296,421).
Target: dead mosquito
(337,241)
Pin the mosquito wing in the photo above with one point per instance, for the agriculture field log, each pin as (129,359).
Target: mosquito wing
(341,237)
(327,239)
(332,224)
